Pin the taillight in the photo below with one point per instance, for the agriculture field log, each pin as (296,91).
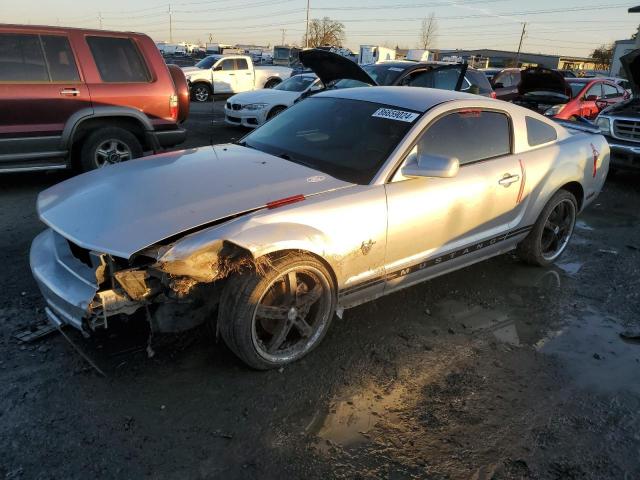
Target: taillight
(173,106)
(493,95)
(596,154)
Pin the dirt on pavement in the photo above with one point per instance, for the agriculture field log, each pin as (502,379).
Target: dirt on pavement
(497,371)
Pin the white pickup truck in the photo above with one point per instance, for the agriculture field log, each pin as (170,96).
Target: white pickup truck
(231,74)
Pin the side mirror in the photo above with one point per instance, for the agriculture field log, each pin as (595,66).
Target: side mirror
(431,166)
(217,68)
(498,85)
(601,104)
(591,98)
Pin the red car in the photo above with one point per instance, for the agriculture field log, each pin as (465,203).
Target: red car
(85,98)
(548,92)
(588,97)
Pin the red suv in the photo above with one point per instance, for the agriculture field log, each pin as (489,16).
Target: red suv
(85,98)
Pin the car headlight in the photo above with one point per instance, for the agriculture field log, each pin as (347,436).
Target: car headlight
(604,124)
(255,106)
(555,110)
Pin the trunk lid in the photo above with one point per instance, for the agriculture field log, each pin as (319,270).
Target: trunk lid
(329,67)
(544,85)
(124,208)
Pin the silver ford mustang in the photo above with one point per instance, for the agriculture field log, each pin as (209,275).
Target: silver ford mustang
(345,197)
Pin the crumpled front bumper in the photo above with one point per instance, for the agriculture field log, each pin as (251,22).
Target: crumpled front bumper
(67,284)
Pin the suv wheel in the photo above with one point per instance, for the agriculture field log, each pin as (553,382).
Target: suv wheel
(107,146)
(201,92)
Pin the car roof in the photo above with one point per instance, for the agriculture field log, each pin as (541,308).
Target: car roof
(419,99)
(57,29)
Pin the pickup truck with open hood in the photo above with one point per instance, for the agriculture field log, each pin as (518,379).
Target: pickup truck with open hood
(620,123)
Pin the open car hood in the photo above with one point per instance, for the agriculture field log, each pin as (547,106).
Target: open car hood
(631,64)
(329,67)
(543,80)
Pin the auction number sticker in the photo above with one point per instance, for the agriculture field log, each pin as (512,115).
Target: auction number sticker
(392,114)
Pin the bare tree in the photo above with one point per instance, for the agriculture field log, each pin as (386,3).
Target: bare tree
(428,31)
(325,31)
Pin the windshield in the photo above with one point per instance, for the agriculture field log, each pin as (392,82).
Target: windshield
(352,146)
(576,88)
(207,62)
(298,83)
(281,53)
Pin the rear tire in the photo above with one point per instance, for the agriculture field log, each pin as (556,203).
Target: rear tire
(552,231)
(201,92)
(272,83)
(272,319)
(106,146)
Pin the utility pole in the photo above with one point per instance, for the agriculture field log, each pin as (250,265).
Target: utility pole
(170,26)
(306,35)
(100,20)
(283,30)
(524,29)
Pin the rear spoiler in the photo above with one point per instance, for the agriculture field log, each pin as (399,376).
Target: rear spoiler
(580,124)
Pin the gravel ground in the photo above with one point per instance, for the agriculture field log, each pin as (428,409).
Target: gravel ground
(498,371)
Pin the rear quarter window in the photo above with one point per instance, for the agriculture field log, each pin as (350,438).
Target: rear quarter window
(479,80)
(118,60)
(539,132)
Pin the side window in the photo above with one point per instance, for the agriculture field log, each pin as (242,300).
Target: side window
(468,135)
(21,59)
(504,79)
(241,64)
(62,65)
(442,78)
(228,64)
(609,91)
(595,90)
(417,78)
(539,132)
(118,60)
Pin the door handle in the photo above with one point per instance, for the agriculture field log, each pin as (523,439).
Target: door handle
(70,92)
(508,179)
(248,73)
(232,74)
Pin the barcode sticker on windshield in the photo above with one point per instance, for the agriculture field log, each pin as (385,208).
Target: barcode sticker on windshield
(391,114)
(396,69)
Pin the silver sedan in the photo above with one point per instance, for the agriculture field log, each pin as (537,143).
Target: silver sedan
(347,196)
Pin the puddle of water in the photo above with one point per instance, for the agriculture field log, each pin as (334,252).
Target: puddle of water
(570,268)
(350,419)
(582,225)
(595,355)
(526,276)
(477,319)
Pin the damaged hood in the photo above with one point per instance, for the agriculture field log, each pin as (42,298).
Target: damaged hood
(631,64)
(124,208)
(329,67)
(541,81)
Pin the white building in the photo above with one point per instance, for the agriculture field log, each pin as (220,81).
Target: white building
(621,47)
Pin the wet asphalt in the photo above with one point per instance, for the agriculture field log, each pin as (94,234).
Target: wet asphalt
(497,371)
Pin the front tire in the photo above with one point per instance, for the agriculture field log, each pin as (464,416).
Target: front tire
(275,111)
(272,319)
(552,231)
(107,146)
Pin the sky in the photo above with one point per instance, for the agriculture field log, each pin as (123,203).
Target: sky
(565,27)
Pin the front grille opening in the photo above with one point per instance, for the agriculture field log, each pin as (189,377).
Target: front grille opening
(80,253)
